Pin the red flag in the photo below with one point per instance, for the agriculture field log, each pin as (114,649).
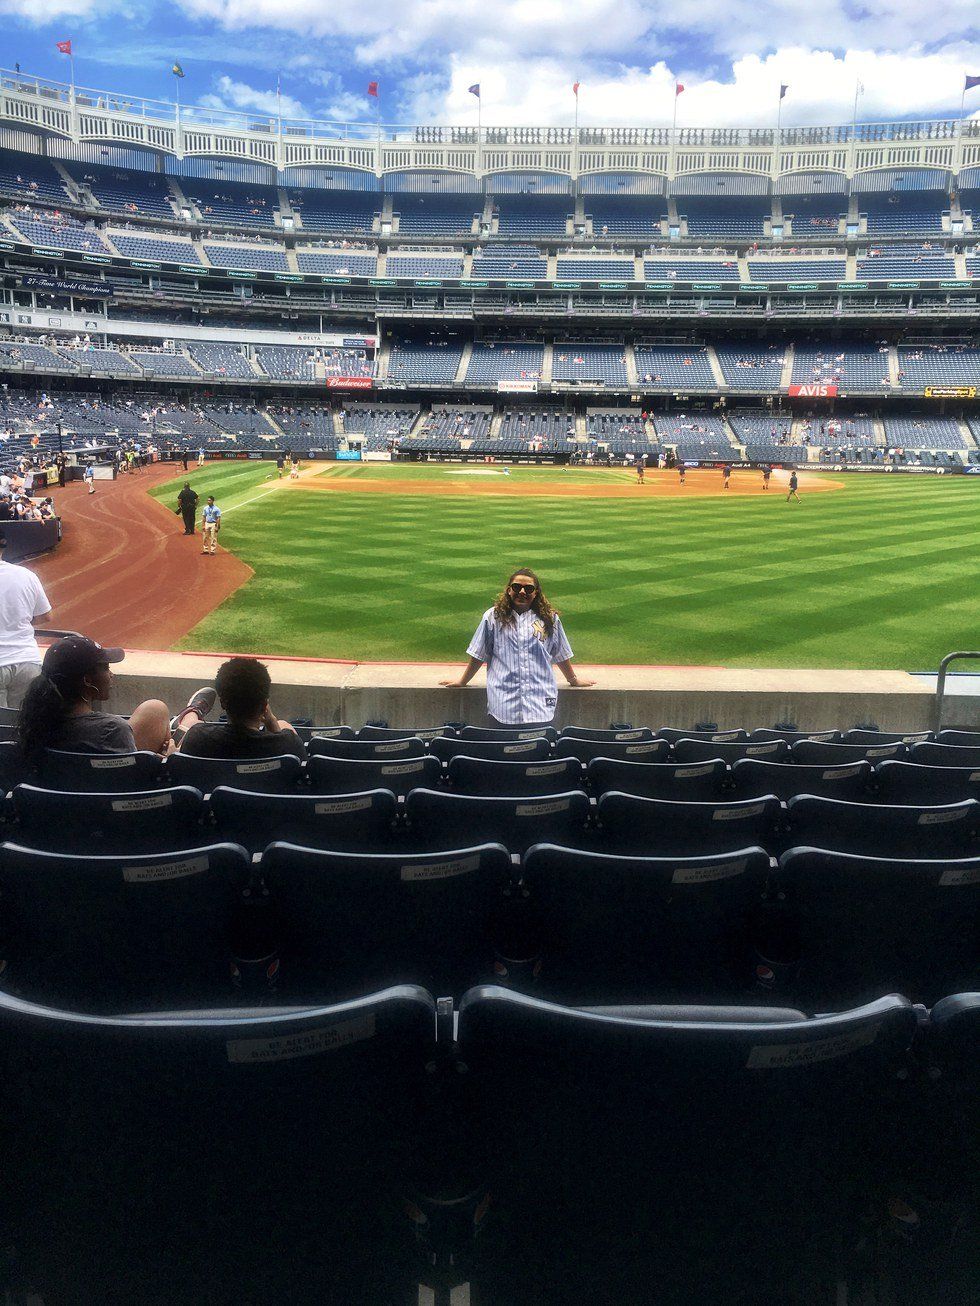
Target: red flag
(575,89)
(64,46)
(373,89)
(678,89)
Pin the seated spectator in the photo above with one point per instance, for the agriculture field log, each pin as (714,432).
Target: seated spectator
(252,728)
(57,710)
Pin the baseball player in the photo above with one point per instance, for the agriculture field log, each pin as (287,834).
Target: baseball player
(211,524)
(88,476)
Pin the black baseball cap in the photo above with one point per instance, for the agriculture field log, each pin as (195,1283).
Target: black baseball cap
(75,655)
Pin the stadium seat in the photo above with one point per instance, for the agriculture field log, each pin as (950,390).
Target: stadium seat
(352,822)
(116,933)
(884,737)
(654,827)
(815,753)
(954,1036)
(723,1145)
(617,736)
(354,918)
(516,732)
(523,750)
(318,1106)
(752,779)
(962,738)
(13,768)
(881,830)
(681,781)
(345,775)
(714,736)
(945,754)
(911,782)
(87,773)
(270,775)
(478,775)
(870,924)
(703,750)
(647,750)
(379,734)
(367,749)
(793,736)
(156,820)
(439,820)
(643,925)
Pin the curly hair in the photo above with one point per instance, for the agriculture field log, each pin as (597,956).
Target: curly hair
(504,607)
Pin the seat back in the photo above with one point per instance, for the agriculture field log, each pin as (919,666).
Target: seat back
(523,750)
(381,734)
(13,769)
(625,736)
(645,750)
(264,775)
(108,772)
(886,737)
(814,753)
(356,822)
(883,830)
(440,820)
(656,827)
(157,820)
(368,750)
(712,736)
(912,782)
(961,738)
(850,781)
(511,733)
(792,736)
(683,781)
(945,754)
(344,775)
(702,750)
(477,775)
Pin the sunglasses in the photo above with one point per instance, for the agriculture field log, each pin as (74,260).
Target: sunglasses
(524,589)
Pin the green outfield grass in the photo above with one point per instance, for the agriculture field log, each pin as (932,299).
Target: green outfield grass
(883,573)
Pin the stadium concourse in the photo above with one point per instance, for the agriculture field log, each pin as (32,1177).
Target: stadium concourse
(675,999)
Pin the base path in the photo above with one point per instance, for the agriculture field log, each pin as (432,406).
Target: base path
(125,572)
(700,483)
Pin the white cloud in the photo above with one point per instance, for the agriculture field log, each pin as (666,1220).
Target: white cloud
(39,12)
(239,95)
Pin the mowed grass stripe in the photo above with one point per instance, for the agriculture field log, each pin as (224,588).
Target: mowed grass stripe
(881,573)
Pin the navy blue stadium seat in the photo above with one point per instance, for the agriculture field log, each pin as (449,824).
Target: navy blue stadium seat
(954,1037)
(630,735)
(870,924)
(326,1096)
(513,732)
(885,737)
(13,768)
(884,830)
(156,820)
(702,750)
(115,933)
(649,750)
(345,775)
(479,775)
(962,738)
(439,820)
(94,773)
(851,781)
(814,753)
(715,736)
(306,733)
(684,781)
(793,736)
(351,918)
(521,750)
(366,750)
(682,1119)
(8,734)
(654,827)
(911,782)
(269,775)
(633,925)
(378,734)
(945,754)
(354,822)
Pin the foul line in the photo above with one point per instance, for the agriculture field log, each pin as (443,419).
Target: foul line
(252,499)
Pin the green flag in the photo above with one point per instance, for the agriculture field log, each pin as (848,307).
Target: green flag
(177,70)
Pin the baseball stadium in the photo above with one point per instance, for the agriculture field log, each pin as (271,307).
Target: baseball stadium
(393,968)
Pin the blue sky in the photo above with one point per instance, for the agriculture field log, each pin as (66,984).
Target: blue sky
(731,56)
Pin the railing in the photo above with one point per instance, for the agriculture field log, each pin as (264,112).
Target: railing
(941,685)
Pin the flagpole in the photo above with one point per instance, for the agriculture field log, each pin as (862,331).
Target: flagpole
(854,118)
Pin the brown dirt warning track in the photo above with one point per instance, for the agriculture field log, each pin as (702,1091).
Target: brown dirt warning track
(125,573)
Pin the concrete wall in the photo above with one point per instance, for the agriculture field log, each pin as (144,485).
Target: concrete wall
(409,694)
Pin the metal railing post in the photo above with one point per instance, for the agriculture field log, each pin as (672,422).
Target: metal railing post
(941,685)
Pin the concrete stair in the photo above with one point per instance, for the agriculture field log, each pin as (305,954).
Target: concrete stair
(464,363)
(716,371)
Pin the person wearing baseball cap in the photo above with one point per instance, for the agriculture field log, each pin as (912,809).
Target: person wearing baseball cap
(58,709)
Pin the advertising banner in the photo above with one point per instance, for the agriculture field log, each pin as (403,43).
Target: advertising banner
(378,456)
(950,392)
(815,391)
(516,387)
(348,455)
(349,382)
(64,285)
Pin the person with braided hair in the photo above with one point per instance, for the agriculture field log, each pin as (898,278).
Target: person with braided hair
(520,639)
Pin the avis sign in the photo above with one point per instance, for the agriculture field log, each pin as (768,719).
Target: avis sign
(815,391)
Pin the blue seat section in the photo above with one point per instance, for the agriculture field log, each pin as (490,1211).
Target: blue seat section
(127,190)
(121,932)
(437,819)
(655,826)
(347,822)
(40,355)
(509,263)
(624,431)
(682,268)
(834,432)
(350,212)
(31,177)
(425,266)
(503,360)
(61,231)
(265,774)
(368,749)
(344,775)
(753,369)
(533,215)
(235,204)
(924,433)
(939,365)
(88,772)
(762,429)
(156,820)
(243,256)
(780,268)
(161,362)
(595,268)
(440,215)
(626,750)
(928,265)
(675,780)
(869,924)
(604,364)
(625,215)
(223,360)
(697,436)
(850,781)
(286,363)
(154,250)
(521,750)
(675,365)
(339,263)
(884,830)
(731,217)
(922,784)
(355,920)
(381,424)
(100,360)
(493,777)
(850,367)
(702,750)
(445,429)
(896,214)
(435,363)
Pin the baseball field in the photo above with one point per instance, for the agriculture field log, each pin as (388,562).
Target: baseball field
(398,562)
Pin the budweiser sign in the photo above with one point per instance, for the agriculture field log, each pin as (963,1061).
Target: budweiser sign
(349,382)
(815,391)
